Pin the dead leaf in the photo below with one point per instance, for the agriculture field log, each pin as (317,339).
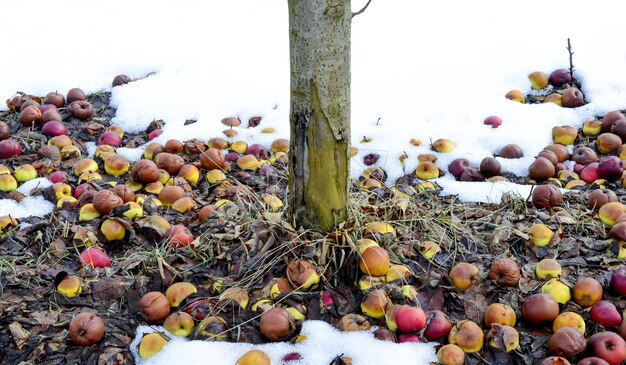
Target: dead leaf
(474,303)
(111,288)
(45,317)
(19,334)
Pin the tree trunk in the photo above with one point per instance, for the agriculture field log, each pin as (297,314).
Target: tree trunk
(319,43)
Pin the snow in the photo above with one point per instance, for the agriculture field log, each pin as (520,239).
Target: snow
(323,343)
(31,205)
(419,70)
(423,70)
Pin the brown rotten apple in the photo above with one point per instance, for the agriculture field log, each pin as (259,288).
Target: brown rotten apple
(572,97)
(541,169)
(302,274)
(212,159)
(511,151)
(5,132)
(105,200)
(610,118)
(505,272)
(144,171)
(154,307)
(55,98)
(75,94)
(29,116)
(539,308)
(169,162)
(450,355)
(467,335)
(598,197)
(86,329)
(277,324)
(81,109)
(546,196)
(490,167)
(120,79)
(567,342)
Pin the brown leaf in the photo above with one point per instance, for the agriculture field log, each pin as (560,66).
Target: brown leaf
(19,334)
(110,355)
(45,317)
(474,303)
(111,288)
(431,298)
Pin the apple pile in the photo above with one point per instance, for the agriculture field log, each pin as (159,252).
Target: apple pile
(181,200)
(559,88)
(167,199)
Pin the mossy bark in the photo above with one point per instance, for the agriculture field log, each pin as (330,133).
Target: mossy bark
(319,40)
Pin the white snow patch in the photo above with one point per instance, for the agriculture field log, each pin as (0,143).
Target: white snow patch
(323,343)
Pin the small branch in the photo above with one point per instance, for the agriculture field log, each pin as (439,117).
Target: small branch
(571,53)
(362,9)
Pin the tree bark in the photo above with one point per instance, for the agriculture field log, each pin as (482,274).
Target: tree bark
(319,42)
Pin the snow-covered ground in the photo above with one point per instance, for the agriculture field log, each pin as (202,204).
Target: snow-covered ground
(322,344)
(423,70)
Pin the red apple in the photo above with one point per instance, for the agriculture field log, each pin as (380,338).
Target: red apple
(232,157)
(179,236)
(58,176)
(54,98)
(592,361)
(10,148)
(292,356)
(45,107)
(578,168)
(611,168)
(561,166)
(80,189)
(438,325)
(109,138)
(457,166)
(608,346)
(618,281)
(50,114)
(590,173)
(560,77)
(257,150)
(605,313)
(154,134)
(410,319)
(94,257)
(409,337)
(493,121)
(74,94)
(327,299)
(54,128)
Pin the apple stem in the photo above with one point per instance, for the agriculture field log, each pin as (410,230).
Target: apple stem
(571,53)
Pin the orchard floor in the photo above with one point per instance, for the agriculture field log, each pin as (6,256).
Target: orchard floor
(245,244)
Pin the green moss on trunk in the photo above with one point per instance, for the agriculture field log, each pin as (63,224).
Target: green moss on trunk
(320,111)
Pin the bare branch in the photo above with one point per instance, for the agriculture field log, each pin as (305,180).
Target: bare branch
(362,9)
(571,53)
